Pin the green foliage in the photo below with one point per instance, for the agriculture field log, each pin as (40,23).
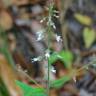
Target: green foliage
(3,89)
(65,56)
(8,56)
(30,91)
(89,37)
(60,82)
(83,19)
(4,48)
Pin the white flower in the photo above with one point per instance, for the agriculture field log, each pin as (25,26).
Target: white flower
(53,70)
(51,23)
(47,54)
(74,78)
(58,38)
(56,16)
(41,21)
(37,59)
(40,35)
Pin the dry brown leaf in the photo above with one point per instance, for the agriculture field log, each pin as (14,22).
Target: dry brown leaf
(5,20)
(20,2)
(8,76)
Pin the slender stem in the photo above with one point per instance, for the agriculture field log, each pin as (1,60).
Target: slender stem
(48,86)
(75,72)
(49,29)
(85,66)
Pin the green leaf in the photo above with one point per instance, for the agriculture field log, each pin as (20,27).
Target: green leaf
(3,88)
(89,37)
(60,82)
(83,19)
(53,58)
(65,56)
(30,91)
(4,47)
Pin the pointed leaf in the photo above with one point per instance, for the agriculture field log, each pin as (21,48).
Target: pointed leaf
(30,91)
(65,56)
(60,82)
(89,37)
(83,19)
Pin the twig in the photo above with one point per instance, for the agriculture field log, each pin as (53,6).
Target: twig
(25,74)
(64,6)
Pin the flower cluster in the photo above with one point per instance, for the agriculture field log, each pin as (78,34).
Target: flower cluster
(47,54)
(58,38)
(39,58)
(40,35)
(50,23)
(52,13)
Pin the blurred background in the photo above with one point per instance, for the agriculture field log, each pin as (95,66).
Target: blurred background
(24,39)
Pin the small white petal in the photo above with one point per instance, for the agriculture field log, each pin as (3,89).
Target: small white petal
(58,38)
(34,59)
(56,16)
(37,59)
(47,54)
(53,25)
(41,21)
(74,78)
(40,38)
(53,70)
(40,35)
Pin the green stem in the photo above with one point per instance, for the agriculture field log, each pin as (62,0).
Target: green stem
(48,86)
(49,29)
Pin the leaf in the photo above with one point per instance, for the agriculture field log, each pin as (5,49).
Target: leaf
(89,37)
(4,47)
(30,91)
(6,21)
(7,74)
(83,19)
(60,82)
(65,56)
(53,58)
(3,89)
